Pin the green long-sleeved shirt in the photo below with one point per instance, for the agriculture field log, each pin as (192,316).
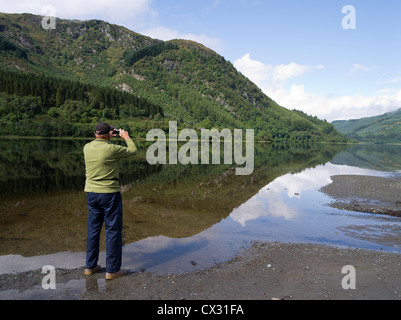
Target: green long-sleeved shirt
(101,161)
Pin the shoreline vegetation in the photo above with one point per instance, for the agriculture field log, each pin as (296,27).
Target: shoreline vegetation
(143,139)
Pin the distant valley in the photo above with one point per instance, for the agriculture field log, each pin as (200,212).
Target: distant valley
(385,128)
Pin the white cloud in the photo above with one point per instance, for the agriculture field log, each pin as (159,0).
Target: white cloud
(335,108)
(358,67)
(386,91)
(287,71)
(260,73)
(392,80)
(271,80)
(255,70)
(164,33)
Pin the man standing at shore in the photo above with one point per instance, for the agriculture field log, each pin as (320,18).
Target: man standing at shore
(104,198)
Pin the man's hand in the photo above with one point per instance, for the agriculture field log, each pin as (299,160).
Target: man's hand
(124,134)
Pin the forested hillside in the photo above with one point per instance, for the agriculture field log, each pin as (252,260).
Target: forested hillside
(61,82)
(385,128)
(32,101)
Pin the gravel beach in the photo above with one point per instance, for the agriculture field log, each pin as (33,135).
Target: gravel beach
(265,271)
(365,194)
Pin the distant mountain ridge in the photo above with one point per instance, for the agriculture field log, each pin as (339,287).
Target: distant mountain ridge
(385,128)
(85,66)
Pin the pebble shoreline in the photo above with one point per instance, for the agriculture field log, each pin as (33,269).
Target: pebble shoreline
(263,272)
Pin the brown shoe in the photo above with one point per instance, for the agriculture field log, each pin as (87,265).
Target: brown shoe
(115,275)
(91,272)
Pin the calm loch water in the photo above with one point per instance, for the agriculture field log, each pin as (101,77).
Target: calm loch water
(181,218)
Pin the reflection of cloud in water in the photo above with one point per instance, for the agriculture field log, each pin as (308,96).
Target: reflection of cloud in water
(266,202)
(273,199)
(18,263)
(153,252)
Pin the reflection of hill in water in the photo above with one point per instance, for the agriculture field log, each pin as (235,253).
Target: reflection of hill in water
(175,201)
(36,166)
(374,157)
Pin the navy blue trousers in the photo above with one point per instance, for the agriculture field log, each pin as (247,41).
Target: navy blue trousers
(107,208)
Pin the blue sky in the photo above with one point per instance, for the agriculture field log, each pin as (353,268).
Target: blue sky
(296,51)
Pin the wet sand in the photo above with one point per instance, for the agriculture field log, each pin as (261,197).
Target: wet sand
(274,271)
(365,194)
(264,271)
(270,271)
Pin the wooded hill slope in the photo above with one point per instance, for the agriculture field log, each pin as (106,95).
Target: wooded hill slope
(61,82)
(385,128)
